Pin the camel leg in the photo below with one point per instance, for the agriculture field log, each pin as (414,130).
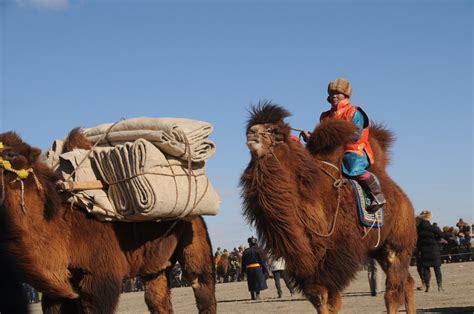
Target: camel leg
(195,257)
(335,301)
(51,305)
(157,294)
(318,296)
(410,295)
(100,293)
(399,284)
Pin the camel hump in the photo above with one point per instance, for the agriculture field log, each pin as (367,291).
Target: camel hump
(76,139)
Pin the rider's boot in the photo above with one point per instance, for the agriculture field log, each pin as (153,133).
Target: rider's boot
(371,186)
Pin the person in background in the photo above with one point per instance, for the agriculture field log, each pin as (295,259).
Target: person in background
(373,275)
(218,252)
(254,264)
(278,269)
(427,246)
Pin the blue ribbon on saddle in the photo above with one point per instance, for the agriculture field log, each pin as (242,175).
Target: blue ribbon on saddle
(367,219)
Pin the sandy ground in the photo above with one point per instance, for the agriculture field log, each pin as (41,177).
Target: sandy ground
(458,281)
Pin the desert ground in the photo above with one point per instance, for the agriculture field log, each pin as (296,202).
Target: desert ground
(458,281)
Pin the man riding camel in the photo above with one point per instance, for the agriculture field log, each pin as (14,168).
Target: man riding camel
(358,155)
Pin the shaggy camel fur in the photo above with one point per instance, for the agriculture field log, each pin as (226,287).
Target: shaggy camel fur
(78,262)
(303,213)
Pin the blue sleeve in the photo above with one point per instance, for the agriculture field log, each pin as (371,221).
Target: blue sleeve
(359,121)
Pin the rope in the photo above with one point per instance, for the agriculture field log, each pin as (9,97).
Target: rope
(22,175)
(297,130)
(22,196)
(190,173)
(367,233)
(92,148)
(189,205)
(155,173)
(338,183)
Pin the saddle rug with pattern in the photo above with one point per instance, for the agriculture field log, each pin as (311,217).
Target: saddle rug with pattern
(366,219)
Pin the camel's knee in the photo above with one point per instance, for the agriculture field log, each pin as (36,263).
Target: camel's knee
(157,294)
(204,291)
(99,293)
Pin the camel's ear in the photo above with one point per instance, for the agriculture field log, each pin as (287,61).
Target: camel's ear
(34,154)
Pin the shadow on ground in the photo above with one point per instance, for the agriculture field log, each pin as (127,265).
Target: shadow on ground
(463,310)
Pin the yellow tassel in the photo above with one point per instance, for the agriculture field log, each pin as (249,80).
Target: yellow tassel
(22,174)
(1,145)
(6,165)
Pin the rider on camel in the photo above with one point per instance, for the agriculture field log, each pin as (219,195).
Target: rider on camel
(358,155)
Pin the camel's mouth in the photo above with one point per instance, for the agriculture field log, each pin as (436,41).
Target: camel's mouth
(253,141)
(254,145)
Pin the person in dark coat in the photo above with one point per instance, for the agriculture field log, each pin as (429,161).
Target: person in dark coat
(427,247)
(254,264)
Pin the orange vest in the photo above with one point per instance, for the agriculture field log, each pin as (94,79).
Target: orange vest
(345,111)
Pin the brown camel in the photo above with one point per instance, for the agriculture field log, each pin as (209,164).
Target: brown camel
(294,197)
(223,268)
(78,262)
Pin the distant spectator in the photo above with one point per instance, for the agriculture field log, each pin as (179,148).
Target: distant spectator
(278,269)
(428,249)
(374,276)
(236,262)
(419,267)
(254,264)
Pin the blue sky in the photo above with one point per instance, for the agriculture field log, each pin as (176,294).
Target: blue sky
(81,63)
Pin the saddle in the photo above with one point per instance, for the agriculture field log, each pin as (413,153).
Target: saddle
(366,218)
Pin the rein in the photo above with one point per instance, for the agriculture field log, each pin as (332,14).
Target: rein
(338,183)
(22,175)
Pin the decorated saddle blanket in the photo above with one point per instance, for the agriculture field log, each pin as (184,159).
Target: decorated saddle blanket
(366,218)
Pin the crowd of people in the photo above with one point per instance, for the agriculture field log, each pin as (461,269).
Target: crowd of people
(455,243)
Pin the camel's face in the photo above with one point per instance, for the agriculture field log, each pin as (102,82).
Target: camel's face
(18,154)
(260,139)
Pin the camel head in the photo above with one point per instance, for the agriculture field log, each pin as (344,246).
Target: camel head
(16,153)
(20,165)
(266,128)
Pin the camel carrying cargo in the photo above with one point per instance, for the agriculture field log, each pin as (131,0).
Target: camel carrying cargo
(140,169)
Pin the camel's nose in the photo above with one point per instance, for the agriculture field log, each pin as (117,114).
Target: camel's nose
(253,141)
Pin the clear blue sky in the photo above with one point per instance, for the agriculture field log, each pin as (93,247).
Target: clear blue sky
(81,63)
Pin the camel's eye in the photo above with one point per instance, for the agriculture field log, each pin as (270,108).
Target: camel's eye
(278,135)
(11,155)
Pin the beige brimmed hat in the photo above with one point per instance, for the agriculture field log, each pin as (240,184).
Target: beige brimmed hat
(425,215)
(340,85)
